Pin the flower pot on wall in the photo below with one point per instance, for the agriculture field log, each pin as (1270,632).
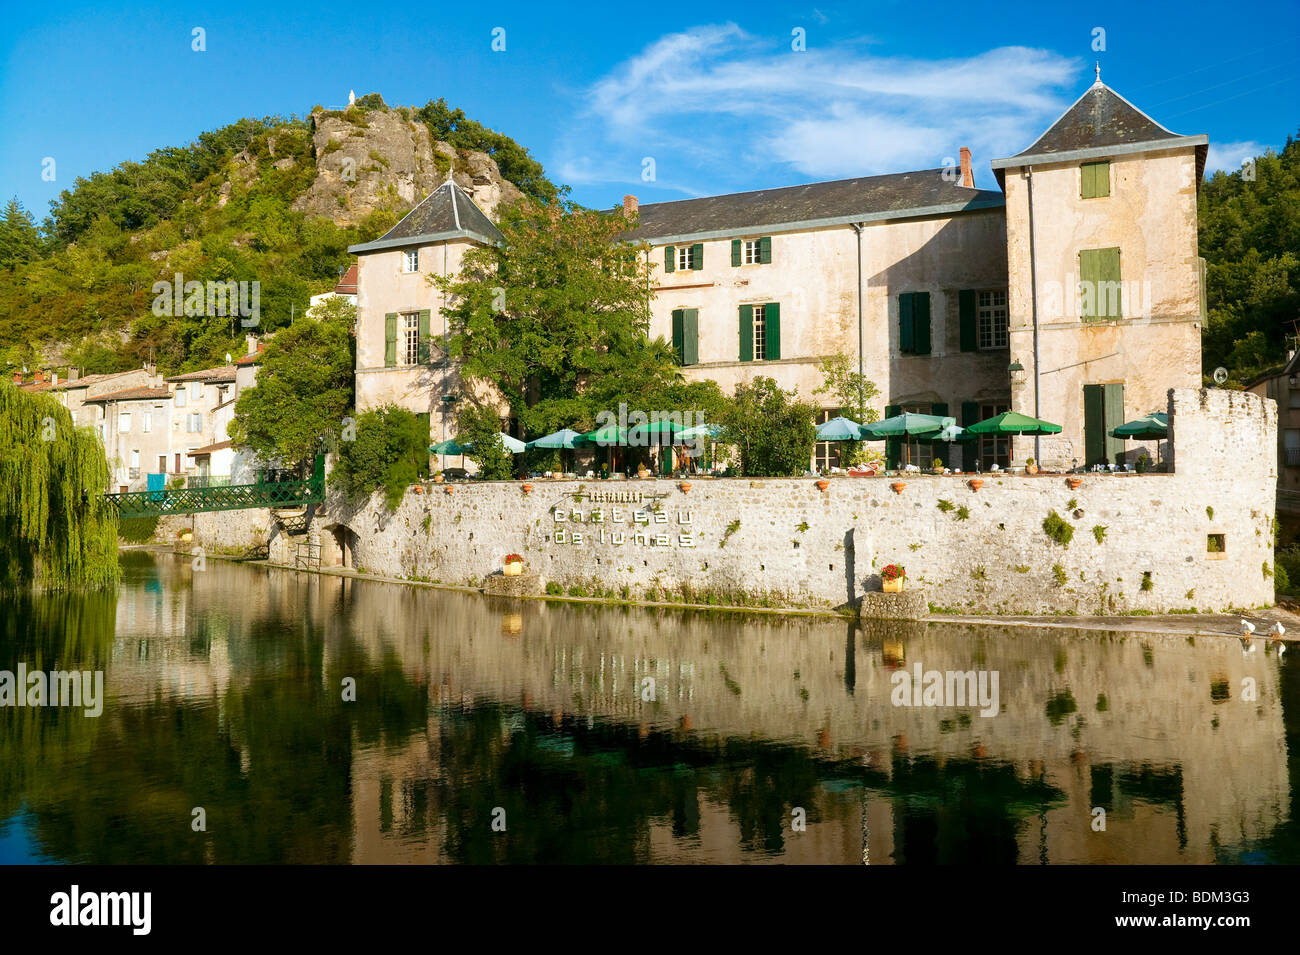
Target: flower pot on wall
(514,568)
(975,484)
(685,486)
(823,485)
(893,586)
(1074,483)
(898,486)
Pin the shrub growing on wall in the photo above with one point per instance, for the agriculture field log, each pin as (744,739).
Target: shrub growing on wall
(481,427)
(391,451)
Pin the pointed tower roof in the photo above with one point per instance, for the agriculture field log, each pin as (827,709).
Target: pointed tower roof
(449,213)
(1100,124)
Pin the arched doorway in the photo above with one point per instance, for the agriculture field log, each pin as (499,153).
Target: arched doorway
(338,546)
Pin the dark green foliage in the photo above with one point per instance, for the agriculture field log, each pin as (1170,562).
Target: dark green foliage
(1250,238)
(137,530)
(391,451)
(771,428)
(304,389)
(453,127)
(481,427)
(20,241)
(55,529)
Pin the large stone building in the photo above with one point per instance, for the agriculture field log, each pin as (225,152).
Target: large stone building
(1074,292)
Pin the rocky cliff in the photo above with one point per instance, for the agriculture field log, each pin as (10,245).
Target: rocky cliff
(382,159)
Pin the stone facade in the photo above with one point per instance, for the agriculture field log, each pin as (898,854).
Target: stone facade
(1200,536)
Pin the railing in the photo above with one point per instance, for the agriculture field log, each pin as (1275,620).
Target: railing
(1293,457)
(231,497)
(208,480)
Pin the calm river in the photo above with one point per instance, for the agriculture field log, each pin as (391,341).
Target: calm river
(497,731)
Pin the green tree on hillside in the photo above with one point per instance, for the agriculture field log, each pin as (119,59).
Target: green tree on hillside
(20,240)
(1250,238)
(304,388)
(453,127)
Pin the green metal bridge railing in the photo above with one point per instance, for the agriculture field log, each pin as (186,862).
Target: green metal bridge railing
(232,497)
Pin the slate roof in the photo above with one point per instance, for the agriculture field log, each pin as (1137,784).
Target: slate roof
(86,381)
(449,213)
(898,195)
(220,373)
(1102,123)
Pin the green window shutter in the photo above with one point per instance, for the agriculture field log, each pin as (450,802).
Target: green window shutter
(1111,305)
(893,446)
(1094,180)
(691,336)
(670,258)
(969,325)
(1089,283)
(906,328)
(1094,417)
(424,336)
(678,331)
(746,333)
(921,322)
(735,253)
(1113,405)
(697,256)
(772,315)
(970,413)
(390,339)
(765,250)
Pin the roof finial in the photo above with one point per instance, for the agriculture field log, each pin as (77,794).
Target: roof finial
(1098,71)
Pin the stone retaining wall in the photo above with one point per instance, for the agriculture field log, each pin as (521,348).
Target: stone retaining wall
(970,550)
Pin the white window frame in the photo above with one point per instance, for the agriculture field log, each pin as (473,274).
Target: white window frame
(409,340)
(196,390)
(685,258)
(410,260)
(752,252)
(180,397)
(146,421)
(992,320)
(760,332)
(124,422)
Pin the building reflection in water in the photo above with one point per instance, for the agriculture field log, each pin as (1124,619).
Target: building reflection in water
(634,735)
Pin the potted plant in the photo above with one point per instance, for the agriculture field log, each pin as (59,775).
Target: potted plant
(1030,466)
(891,579)
(937,466)
(437,477)
(528,489)
(1074,483)
(514,565)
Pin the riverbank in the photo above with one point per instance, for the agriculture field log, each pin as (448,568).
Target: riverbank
(1185,624)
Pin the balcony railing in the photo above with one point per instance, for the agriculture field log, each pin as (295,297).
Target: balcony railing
(208,480)
(1293,457)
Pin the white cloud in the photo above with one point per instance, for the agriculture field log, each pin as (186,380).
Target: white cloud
(720,109)
(1228,156)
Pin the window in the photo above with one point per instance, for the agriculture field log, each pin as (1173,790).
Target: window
(686,335)
(760,332)
(992,312)
(147,423)
(826,454)
(686,257)
(411,260)
(180,397)
(1094,180)
(914,323)
(1291,439)
(410,342)
(1099,285)
(135,463)
(196,390)
(990,449)
(162,464)
(123,422)
(751,251)
(194,423)
(1293,399)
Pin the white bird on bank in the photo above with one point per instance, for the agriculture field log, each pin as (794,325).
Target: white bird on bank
(1247,628)
(1277,630)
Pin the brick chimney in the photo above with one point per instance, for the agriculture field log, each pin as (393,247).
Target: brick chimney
(250,342)
(630,206)
(967,177)
(40,377)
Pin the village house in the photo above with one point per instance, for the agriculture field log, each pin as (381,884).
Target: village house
(1282,384)
(1073,292)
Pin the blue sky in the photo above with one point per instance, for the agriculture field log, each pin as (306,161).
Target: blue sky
(713,93)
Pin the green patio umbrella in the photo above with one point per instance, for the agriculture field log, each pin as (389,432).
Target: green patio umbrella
(909,424)
(1150,427)
(713,431)
(562,439)
(839,429)
(447,447)
(1013,422)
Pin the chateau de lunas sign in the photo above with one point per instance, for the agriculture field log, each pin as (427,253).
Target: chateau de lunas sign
(619,518)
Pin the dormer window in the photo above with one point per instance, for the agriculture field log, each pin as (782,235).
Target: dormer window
(1094,180)
(411,260)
